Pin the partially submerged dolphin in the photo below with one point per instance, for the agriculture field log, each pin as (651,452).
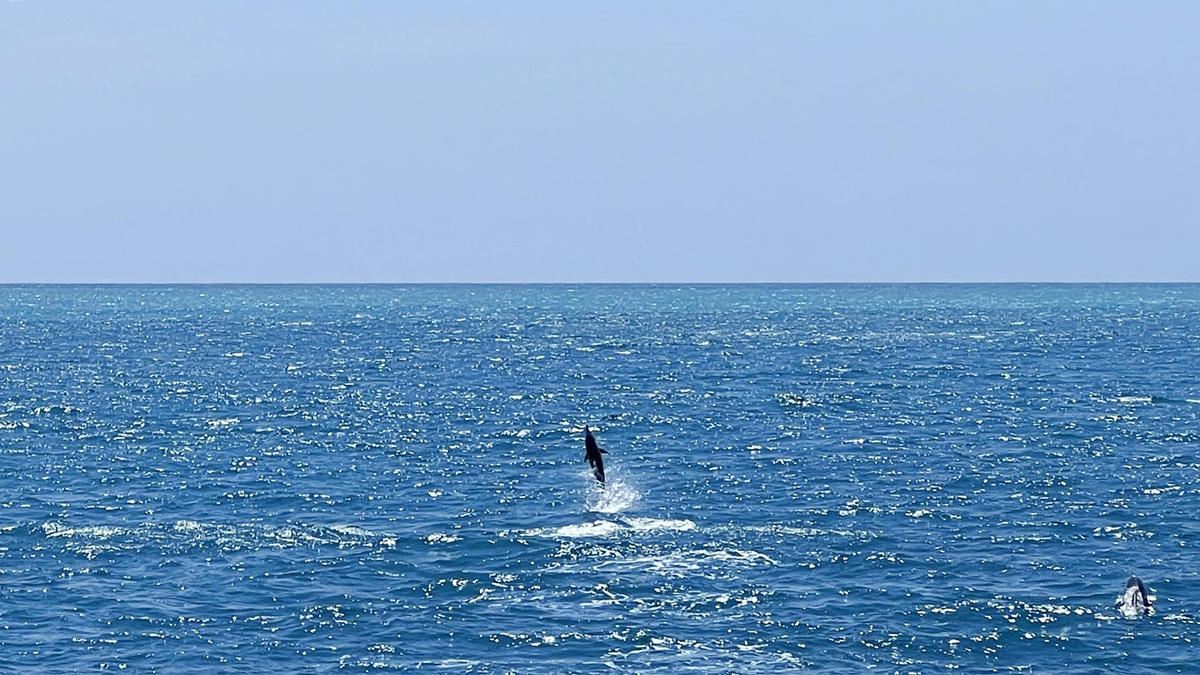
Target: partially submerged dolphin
(1135,601)
(593,454)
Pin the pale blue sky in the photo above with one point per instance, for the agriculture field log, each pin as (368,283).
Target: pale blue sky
(606,141)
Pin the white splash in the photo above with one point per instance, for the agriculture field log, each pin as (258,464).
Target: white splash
(611,528)
(598,528)
(616,496)
(1130,604)
(659,525)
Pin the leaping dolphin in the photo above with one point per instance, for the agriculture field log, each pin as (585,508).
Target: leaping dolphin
(1135,601)
(593,454)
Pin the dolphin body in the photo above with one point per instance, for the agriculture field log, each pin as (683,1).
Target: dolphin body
(593,454)
(1135,601)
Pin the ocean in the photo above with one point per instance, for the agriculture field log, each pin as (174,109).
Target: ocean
(834,478)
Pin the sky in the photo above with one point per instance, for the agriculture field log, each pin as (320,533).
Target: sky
(598,141)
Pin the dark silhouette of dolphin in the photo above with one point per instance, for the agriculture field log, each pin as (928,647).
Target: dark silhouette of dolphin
(593,454)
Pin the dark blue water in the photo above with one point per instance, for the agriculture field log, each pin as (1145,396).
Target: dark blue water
(295,478)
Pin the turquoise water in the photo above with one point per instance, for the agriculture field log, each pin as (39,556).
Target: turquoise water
(309,478)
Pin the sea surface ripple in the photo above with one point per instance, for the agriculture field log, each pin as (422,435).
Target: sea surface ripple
(366,478)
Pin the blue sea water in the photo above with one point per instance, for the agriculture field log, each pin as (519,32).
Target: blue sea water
(835,478)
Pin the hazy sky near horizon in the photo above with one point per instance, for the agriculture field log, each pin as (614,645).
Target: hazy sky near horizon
(599,141)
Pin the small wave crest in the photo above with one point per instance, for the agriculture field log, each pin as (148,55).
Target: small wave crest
(182,535)
(707,563)
(611,528)
(660,524)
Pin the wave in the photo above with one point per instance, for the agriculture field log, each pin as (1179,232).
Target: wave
(93,540)
(1133,399)
(659,525)
(603,528)
(809,532)
(709,563)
